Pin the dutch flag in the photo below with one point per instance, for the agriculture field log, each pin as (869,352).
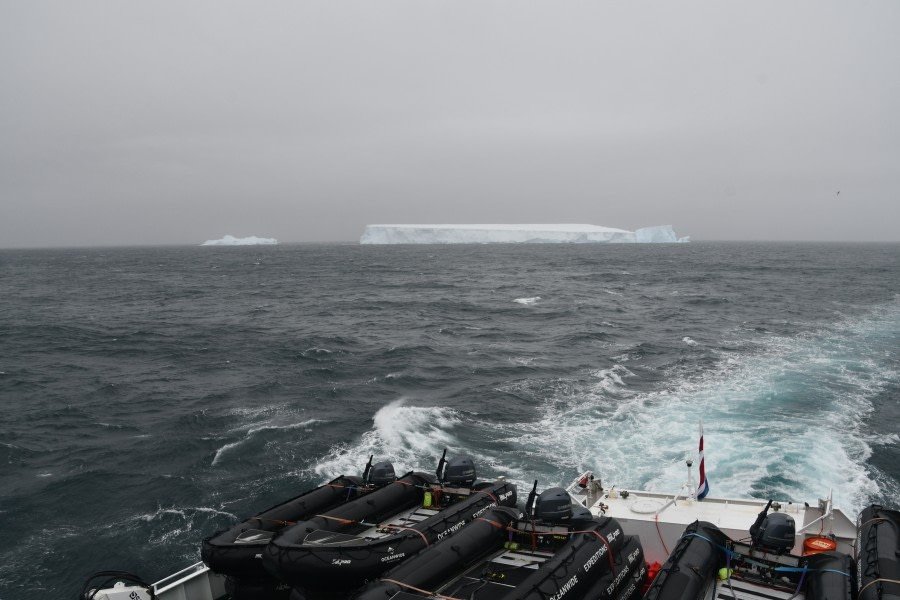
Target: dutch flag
(703,488)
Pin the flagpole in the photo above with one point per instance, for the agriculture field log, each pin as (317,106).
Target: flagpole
(703,488)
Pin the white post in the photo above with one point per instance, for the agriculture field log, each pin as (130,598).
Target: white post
(690,481)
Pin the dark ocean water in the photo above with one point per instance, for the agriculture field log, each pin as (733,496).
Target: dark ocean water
(150,396)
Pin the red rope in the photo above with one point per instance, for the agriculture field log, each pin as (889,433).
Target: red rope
(489,495)
(609,551)
(656,518)
(338,519)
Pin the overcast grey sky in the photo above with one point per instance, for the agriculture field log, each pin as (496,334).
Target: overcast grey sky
(126,122)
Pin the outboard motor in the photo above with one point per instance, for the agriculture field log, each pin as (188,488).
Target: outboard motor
(581,514)
(776,533)
(381,474)
(460,471)
(553,504)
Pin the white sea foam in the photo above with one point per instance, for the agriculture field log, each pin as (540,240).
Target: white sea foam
(612,377)
(762,438)
(411,437)
(230,240)
(254,430)
(524,361)
(173,522)
(526,301)
(688,341)
(786,422)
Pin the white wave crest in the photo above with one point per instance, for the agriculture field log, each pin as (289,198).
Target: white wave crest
(612,377)
(411,437)
(253,431)
(527,301)
(183,513)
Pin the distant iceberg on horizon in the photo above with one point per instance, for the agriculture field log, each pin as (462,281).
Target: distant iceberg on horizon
(516,234)
(230,240)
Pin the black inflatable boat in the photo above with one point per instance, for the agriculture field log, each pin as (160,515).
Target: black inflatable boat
(878,553)
(705,558)
(359,540)
(237,551)
(563,552)
(692,565)
(831,576)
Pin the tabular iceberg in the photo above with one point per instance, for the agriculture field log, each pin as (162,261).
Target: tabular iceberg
(512,234)
(230,240)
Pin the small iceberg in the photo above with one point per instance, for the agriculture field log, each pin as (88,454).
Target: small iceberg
(230,240)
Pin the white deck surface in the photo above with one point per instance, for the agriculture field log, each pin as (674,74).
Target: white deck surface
(660,522)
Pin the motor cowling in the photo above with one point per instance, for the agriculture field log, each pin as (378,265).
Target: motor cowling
(580,514)
(382,474)
(777,533)
(119,591)
(460,471)
(553,504)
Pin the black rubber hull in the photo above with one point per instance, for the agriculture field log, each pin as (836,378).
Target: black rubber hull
(692,565)
(832,576)
(584,560)
(267,588)
(627,578)
(434,565)
(633,588)
(578,563)
(223,555)
(878,554)
(330,566)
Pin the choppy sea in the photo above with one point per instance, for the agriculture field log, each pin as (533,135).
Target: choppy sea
(150,396)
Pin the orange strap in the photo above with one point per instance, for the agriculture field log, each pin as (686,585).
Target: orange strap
(338,519)
(494,523)
(347,521)
(421,591)
(489,495)
(421,535)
